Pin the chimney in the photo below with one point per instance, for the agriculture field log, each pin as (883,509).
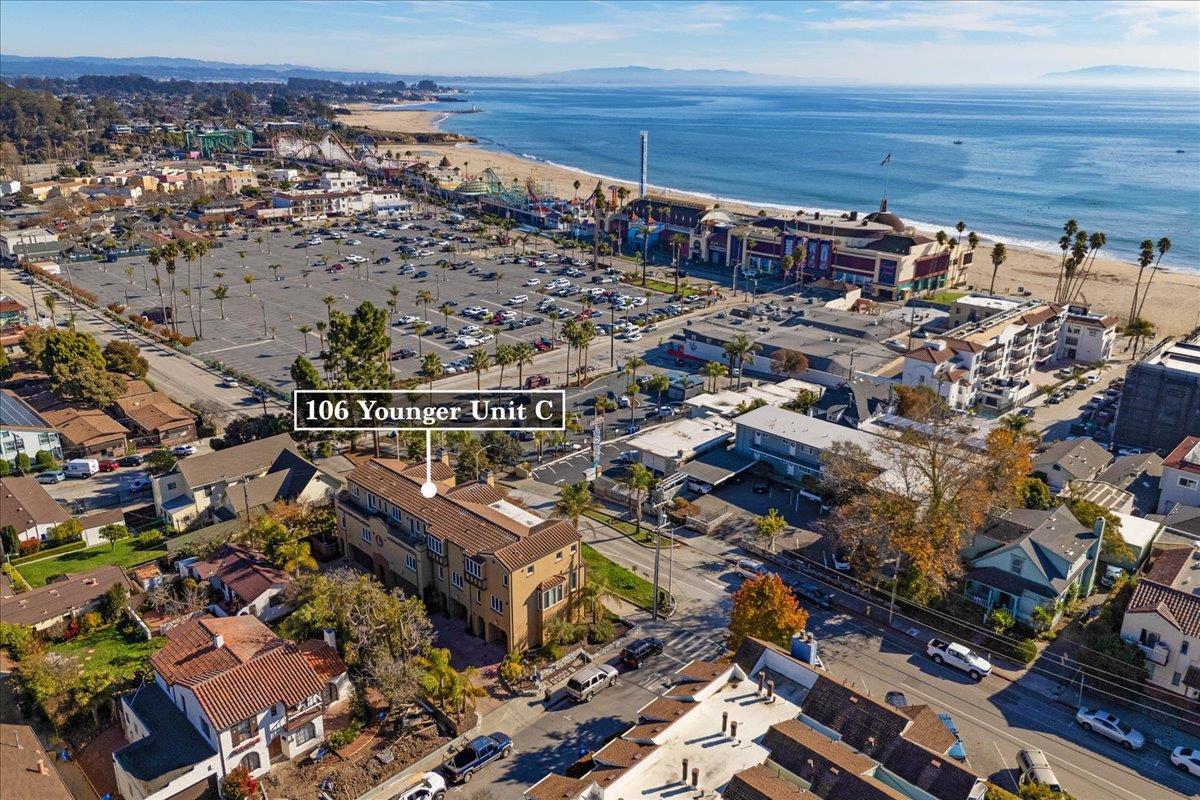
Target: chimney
(330,637)
(685,770)
(724,722)
(218,641)
(41,767)
(771,691)
(733,729)
(487,476)
(762,680)
(695,777)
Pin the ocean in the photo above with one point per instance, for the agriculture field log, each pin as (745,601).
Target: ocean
(1028,160)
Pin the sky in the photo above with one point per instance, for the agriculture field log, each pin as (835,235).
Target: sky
(975,42)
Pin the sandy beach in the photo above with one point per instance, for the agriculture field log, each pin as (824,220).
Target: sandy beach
(1173,304)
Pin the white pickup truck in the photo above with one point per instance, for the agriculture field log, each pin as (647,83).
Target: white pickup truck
(958,656)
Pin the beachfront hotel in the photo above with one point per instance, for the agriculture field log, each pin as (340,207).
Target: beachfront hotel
(878,251)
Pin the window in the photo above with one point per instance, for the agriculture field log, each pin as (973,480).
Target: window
(441,573)
(1187,483)
(478,597)
(276,600)
(574,548)
(529,570)
(370,500)
(411,563)
(243,730)
(456,579)
(170,485)
(1016,565)
(552,596)
(504,580)
(473,568)
(366,534)
(1176,678)
(497,605)
(1183,648)
(574,579)
(558,556)
(436,545)
(252,761)
(305,734)
(354,490)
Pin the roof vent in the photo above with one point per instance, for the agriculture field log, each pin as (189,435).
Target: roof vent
(218,641)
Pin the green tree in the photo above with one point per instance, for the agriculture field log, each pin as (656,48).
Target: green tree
(1087,513)
(505,357)
(805,400)
(1034,493)
(431,369)
(770,526)
(125,357)
(632,365)
(641,482)
(714,371)
(523,354)
(479,363)
(69,531)
(77,370)
(574,501)
(1137,331)
(305,375)
(736,350)
(45,460)
(219,294)
(356,356)
(659,384)
(113,533)
(9,539)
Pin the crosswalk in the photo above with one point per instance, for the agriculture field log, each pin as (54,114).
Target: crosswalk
(679,647)
(688,646)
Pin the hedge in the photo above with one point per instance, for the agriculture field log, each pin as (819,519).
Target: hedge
(78,544)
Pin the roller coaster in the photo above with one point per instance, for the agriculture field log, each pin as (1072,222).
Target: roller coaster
(329,149)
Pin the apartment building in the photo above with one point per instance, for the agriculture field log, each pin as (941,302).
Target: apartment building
(1180,481)
(791,442)
(227,694)
(23,430)
(467,549)
(342,181)
(1087,338)
(986,363)
(1160,401)
(1163,619)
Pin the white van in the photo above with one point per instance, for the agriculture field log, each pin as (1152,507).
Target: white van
(590,680)
(81,467)
(1035,769)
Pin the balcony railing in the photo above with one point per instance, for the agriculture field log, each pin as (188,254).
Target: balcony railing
(394,528)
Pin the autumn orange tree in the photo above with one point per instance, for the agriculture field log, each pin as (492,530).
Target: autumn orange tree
(765,608)
(917,495)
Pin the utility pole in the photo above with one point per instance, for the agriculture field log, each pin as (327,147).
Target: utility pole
(263,303)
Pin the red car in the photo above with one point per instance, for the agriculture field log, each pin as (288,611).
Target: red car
(109,464)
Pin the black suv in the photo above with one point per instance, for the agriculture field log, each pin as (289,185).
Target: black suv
(640,651)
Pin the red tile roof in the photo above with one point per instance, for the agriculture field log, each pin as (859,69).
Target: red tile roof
(1185,456)
(1181,610)
(247,572)
(324,659)
(251,671)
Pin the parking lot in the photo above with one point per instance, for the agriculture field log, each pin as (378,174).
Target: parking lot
(293,280)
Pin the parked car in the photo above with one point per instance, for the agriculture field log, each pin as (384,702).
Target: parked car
(1035,769)
(427,786)
(536,381)
(230,383)
(139,484)
(958,656)
(1110,725)
(759,486)
(749,568)
(1187,759)
(639,652)
(109,465)
(814,594)
(81,467)
(52,476)
(479,752)
(182,450)
(592,679)
(131,460)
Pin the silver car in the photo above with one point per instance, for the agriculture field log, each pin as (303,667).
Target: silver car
(1106,724)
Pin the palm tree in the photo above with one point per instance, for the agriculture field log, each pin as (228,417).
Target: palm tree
(129,275)
(51,303)
(431,370)
(249,279)
(585,336)
(999,256)
(736,350)
(305,330)
(678,240)
(632,391)
(600,207)
(478,363)
(972,243)
(419,331)
(633,365)
(1138,330)
(155,257)
(505,357)
(658,384)
(714,370)
(169,255)
(640,482)
(961,227)
(539,439)
(320,325)
(553,315)
(523,353)
(574,501)
(274,270)
(187,295)
(329,300)
(1164,246)
(1069,229)
(219,294)
(446,309)
(424,298)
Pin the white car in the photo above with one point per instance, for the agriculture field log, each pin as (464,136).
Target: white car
(518,299)
(533,282)
(408,319)
(469,330)
(184,450)
(484,338)
(633,336)
(1110,725)
(353,242)
(1187,759)
(959,656)
(427,786)
(230,383)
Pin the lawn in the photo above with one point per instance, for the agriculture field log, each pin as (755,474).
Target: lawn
(109,649)
(126,554)
(645,538)
(945,297)
(633,588)
(666,287)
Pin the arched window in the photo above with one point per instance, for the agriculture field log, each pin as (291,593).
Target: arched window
(252,761)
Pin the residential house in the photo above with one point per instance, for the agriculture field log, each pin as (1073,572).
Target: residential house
(666,448)
(251,697)
(247,582)
(468,550)
(27,771)
(1021,559)
(26,505)
(1180,482)
(93,523)
(1183,521)
(88,432)
(12,312)
(23,430)
(233,482)
(153,417)
(29,244)
(731,402)
(1087,338)
(1163,619)
(45,606)
(1080,459)
(856,402)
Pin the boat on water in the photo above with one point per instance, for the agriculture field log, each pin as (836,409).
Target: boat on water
(1180,151)
(958,141)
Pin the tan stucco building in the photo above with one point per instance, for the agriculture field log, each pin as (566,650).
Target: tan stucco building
(468,550)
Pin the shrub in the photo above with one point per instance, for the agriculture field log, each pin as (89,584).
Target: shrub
(5,468)
(23,464)
(42,552)
(113,601)
(1002,620)
(239,785)
(601,632)
(345,736)
(90,621)
(67,532)
(511,668)
(1026,650)
(17,640)
(30,546)
(562,632)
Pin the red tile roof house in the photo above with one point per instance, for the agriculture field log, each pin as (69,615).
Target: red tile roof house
(247,581)
(227,693)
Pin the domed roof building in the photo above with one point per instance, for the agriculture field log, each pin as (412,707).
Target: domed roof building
(885,217)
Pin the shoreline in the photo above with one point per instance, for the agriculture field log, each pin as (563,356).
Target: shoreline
(1028,267)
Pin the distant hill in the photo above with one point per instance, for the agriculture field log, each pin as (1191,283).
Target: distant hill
(179,68)
(1117,74)
(643,76)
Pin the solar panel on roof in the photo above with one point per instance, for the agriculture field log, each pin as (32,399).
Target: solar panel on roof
(14,412)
